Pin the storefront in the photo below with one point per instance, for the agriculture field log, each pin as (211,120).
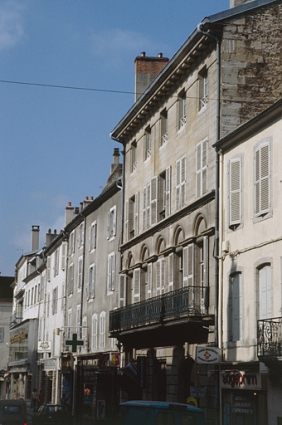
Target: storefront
(244,397)
(22,359)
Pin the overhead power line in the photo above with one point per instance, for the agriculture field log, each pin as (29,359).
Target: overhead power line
(56,86)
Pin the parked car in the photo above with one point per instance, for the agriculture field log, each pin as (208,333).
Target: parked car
(13,412)
(52,414)
(160,413)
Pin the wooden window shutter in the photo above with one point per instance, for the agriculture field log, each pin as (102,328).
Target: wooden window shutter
(145,208)
(262,180)
(158,278)
(235,192)
(154,200)
(136,214)
(167,192)
(113,271)
(178,198)
(183,181)
(198,170)
(204,167)
(170,271)
(136,285)
(188,265)
(149,282)
(122,290)
(48,268)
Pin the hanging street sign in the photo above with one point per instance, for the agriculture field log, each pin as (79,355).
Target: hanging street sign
(74,343)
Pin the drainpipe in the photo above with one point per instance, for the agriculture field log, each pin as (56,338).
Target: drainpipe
(216,242)
(122,195)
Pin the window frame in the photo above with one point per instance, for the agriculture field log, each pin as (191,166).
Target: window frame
(259,181)
(201,168)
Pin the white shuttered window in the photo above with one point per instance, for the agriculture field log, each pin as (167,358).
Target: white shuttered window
(262,179)
(235,191)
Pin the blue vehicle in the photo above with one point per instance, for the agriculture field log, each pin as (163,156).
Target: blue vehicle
(160,413)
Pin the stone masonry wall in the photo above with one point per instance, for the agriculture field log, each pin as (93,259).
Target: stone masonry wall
(251,65)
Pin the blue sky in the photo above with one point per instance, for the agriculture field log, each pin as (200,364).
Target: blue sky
(55,143)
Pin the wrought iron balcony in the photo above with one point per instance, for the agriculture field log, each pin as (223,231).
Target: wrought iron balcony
(269,335)
(185,302)
(16,317)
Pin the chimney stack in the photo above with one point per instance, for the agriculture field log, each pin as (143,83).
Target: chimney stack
(35,238)
(68,213)
(146,70)
(234,3)
(50,236)
(115,160)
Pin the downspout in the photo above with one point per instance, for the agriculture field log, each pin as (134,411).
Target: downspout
(216,242)
(82,272)
(122,197)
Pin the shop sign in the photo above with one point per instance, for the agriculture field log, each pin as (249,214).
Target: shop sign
(198,391)
(114,359)
(50,364)
(241,380)
(207,355)
(18,337)
(44,346)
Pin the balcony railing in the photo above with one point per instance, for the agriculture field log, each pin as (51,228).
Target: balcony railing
(17,317)
(269,336)
(185,302)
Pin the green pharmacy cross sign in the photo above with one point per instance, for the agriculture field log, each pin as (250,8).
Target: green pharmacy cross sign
(74,342)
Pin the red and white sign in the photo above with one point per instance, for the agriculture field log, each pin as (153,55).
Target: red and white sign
(207,355)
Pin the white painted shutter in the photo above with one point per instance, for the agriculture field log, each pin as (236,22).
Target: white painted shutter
(136,214)
(262,180)
(163,263)
(183,182)
(188,265)
(178,185)
(87,285)
(122,290)
(149,289)
(92,294)
(154,200)
(113,271)
(167,192)
(127,223)
(198,169)
(235,192)
(63,263)
(204,166)
(265,292)
(145,208)
(170,271)
(158,278)
(48,268)
(114,221)
(136,285)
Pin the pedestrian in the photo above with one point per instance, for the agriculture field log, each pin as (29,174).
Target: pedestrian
(34,399)
(40,398)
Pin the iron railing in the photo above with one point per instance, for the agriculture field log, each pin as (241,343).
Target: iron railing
(17,317)
(269,335)
(188,301)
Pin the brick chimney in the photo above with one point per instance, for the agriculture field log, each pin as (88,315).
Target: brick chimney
(146,70)
(234,3)
(35,238)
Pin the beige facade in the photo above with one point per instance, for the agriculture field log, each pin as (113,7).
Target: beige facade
(251,266)
(219,79)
